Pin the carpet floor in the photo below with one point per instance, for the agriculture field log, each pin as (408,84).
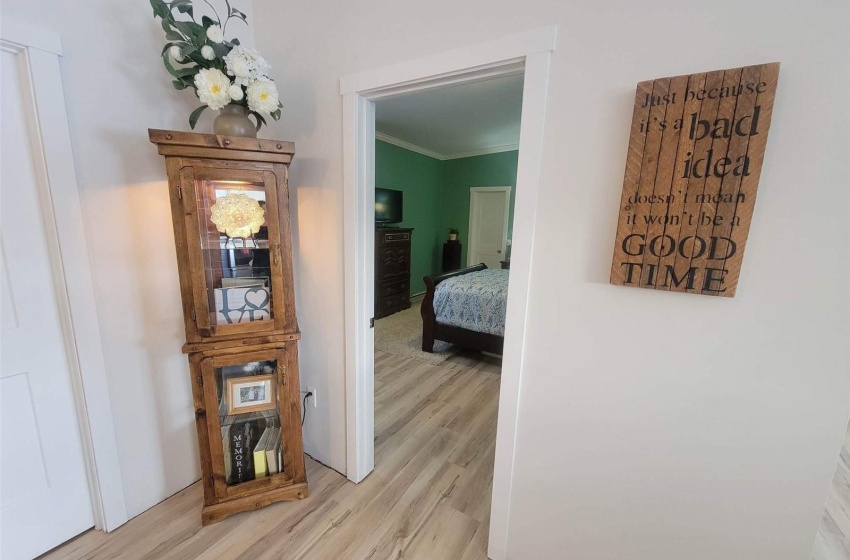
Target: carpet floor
(401,334)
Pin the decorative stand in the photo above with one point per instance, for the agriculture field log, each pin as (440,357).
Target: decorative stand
(230,211)
(451,255)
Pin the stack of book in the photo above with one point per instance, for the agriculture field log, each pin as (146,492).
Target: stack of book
(252,446)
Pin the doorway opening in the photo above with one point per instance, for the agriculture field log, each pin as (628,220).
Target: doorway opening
(528,53)
(489,224)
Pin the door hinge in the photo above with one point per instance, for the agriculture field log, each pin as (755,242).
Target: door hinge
(200,380)
(193,314)
(372,323)
(179,192)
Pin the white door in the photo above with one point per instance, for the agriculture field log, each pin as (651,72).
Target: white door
(44,494)
(488,225)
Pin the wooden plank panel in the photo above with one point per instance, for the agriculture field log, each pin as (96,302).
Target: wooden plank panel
(680,277)
(173,167)
(222,153)
(750,182)
(662,195)
(706,217)
(679,183)
(290,407)
(196,261)
(631,179)
(281,173)
(178,138)
(692,170)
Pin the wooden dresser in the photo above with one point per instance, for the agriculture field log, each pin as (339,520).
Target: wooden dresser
(392,270)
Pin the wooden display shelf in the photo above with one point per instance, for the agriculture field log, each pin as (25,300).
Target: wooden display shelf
(221,344)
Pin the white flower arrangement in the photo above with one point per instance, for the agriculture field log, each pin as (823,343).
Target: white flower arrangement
(221,72)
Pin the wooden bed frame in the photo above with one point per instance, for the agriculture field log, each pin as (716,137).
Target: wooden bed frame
(432,330)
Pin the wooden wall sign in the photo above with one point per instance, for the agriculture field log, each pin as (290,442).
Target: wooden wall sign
(692,170)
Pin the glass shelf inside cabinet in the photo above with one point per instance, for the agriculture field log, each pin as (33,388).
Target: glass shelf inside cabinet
(249,420)
(235,246)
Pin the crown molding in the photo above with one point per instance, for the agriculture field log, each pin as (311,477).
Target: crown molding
(483,152)
(408,146)
(443,157)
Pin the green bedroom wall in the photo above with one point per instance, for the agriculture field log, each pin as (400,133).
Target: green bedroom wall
(436,197)
(419,177)
(491,170)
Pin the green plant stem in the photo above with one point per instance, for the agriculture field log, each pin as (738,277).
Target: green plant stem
(217,17)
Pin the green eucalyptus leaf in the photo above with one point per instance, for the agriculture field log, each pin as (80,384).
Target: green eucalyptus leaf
(170,33)
(207,21)
(275,114)
(187,10)
(192,30)
(221,50)
(234,41)
(178,84)
(236,13)
(186,72)
(260,120)
(196,57)
(168,46)
(169,66)
(182,6)
(193,118)
(160,8)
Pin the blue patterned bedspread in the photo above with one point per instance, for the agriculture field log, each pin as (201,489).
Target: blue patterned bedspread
(476,301)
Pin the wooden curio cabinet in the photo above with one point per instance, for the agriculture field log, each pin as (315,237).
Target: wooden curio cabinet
(230,211)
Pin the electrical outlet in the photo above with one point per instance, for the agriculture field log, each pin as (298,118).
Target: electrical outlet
(313,398)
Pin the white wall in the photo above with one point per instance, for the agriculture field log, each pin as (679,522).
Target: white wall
(115,89)
(653,425)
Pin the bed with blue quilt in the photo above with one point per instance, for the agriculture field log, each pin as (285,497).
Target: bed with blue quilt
(466,307)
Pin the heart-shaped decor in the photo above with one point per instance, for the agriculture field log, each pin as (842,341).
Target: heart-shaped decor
(257,298)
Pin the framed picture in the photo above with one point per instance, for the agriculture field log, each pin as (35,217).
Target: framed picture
(250,393)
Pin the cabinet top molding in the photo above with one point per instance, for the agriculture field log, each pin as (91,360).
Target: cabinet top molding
(192,144)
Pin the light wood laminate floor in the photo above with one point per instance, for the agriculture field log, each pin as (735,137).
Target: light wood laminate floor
(428,498)
(833,538)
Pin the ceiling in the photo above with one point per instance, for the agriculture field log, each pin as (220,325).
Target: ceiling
(454,121)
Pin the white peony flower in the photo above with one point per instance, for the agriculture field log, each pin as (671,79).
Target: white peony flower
(207,52)
(236,93)
(246,65)
(176,52)
(239,68)
(215,34)
(263,96)
(213,88)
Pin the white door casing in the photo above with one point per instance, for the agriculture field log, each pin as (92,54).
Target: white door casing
(43,482)
(529,52)
(43,151)
(488,225)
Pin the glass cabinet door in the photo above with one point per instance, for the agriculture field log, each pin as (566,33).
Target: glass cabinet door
(246,422)
(234,250)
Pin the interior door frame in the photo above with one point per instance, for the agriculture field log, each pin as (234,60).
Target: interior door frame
(473,238)
(50,137)
(529,53)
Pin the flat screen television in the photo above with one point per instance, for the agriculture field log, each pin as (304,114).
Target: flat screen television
(388,206)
